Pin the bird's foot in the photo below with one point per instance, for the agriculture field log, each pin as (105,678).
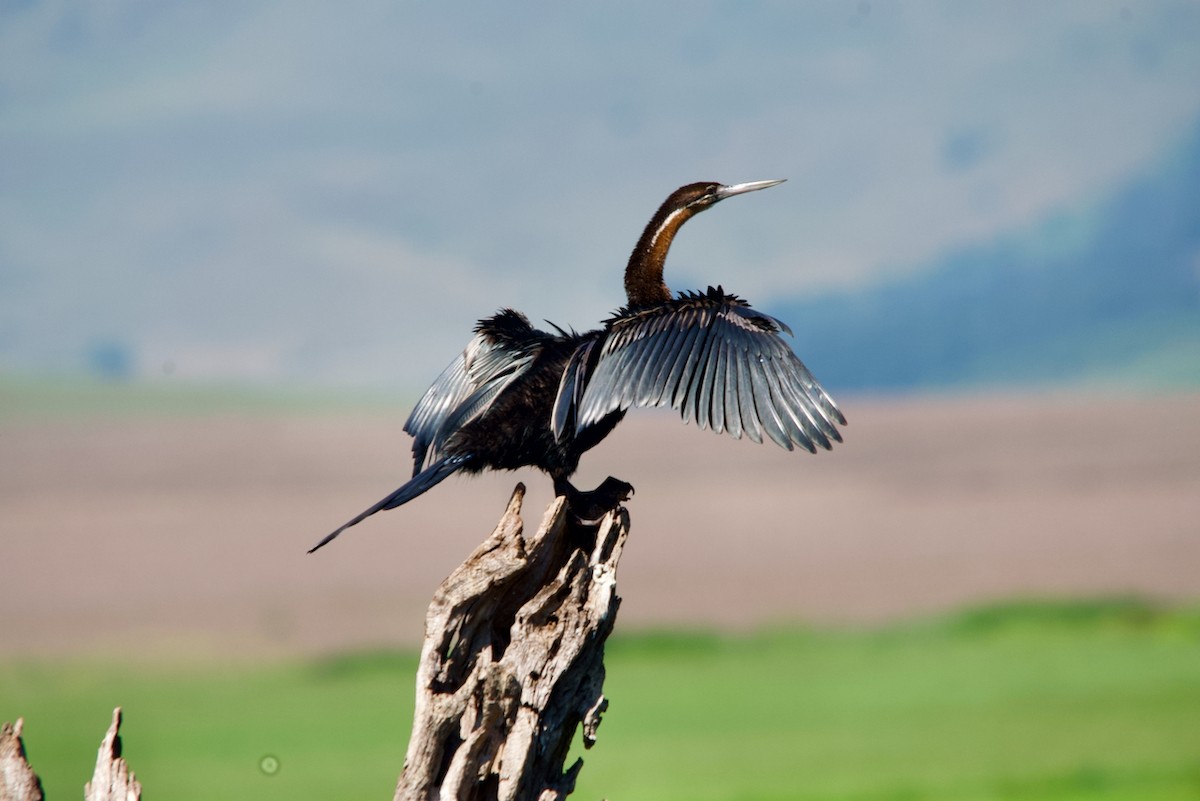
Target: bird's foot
(591,507)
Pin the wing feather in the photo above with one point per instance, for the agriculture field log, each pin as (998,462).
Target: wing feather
(446,392)
(765,404)
(570,389)
(658,344)
(746,411)
(697,338)
(733,414)
(671,371)
(713,359)
(500,352)
(700,385)
(799,427)
(720,378)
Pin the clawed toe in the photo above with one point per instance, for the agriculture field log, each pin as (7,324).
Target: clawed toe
(614,488)
(589,508)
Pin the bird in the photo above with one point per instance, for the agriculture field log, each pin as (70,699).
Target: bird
(520,397)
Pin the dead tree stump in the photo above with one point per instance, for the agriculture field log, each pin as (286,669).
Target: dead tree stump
(513,661)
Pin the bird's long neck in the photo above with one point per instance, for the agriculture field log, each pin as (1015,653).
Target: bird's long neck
(644,283)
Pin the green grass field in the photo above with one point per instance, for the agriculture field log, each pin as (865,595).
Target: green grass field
(1024,701)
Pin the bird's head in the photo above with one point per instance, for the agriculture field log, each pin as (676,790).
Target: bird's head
(644,284)
(699,196)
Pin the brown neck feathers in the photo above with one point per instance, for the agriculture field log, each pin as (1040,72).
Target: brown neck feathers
(644,283)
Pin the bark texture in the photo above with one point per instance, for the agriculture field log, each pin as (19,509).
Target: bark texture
(513,662)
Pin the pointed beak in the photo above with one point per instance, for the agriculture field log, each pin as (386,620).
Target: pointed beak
(738,189)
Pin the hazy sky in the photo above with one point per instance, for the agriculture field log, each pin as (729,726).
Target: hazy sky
(334,192)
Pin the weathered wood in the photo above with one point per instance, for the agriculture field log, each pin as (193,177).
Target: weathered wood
(18,782)
(513,661)
(112,779)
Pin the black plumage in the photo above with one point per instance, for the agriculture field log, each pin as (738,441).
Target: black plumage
(521,397)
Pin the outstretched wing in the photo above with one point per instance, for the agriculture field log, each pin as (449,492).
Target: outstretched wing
(502,349)
(713,358)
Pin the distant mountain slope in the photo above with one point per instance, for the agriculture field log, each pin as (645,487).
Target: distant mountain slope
(1109,295)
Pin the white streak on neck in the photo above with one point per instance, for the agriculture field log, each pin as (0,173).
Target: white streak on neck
(663,227)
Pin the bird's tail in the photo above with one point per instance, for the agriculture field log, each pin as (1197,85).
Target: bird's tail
(426,479)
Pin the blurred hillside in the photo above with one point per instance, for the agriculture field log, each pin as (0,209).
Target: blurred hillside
(1108,294)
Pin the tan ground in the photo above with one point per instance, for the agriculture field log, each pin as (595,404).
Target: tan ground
(189,537)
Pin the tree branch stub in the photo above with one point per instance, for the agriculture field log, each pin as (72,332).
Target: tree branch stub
(112,779)
(18,782)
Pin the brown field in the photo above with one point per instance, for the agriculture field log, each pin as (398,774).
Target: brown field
(188,536)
